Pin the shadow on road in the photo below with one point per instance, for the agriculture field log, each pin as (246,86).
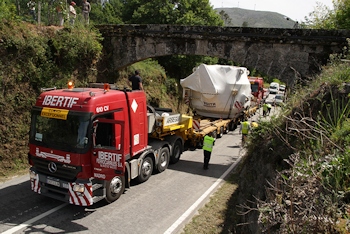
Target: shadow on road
(19,205)
(215,170)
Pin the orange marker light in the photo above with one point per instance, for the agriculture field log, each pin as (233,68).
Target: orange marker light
(106,86)
(70,85)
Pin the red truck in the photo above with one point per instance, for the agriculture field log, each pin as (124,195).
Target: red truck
(87,144)
(257,86)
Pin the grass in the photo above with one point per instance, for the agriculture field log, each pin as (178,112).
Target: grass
(214,217)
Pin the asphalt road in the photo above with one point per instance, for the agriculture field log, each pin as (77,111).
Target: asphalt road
(163,204)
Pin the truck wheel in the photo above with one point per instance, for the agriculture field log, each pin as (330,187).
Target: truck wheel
(114,188)
(146,169)
(163,160)
(221,132)
(175,157)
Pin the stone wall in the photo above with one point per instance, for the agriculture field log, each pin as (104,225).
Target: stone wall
(287,54)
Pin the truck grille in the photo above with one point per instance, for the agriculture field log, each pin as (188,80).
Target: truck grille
(63,172)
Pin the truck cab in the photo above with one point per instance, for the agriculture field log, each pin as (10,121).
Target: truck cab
(257,87)
(82,141)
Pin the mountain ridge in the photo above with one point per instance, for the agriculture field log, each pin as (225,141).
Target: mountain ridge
(239,17)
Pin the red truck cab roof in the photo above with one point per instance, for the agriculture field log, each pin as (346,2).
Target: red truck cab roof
(81,99)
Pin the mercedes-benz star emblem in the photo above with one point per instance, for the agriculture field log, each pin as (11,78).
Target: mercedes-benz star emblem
(52,167)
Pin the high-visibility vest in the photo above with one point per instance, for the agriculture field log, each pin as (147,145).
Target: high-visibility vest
(245,127)
(208,143)
(265,107)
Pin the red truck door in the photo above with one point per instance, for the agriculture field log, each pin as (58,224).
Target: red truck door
(108,148)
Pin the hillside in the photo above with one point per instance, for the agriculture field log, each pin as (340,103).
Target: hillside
(258,19)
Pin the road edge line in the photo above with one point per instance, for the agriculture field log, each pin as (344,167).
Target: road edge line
(197,203)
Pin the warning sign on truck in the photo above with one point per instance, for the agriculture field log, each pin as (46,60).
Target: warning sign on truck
(54,113)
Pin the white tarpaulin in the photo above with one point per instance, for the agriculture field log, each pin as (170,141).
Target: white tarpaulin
(217,91)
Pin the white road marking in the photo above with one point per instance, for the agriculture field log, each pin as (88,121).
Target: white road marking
(195,205)
(33,220)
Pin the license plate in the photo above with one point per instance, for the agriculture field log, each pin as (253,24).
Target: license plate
(53,182)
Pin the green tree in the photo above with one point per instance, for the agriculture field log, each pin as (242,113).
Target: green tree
(225,17)
(108,13)
(8,10)
(321,17)
(326,18)
(342,13)
(184,12)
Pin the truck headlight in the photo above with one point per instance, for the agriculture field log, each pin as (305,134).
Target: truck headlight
(79,188)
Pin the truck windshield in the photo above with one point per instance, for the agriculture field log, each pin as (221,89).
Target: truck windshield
(70,134)
(254,87)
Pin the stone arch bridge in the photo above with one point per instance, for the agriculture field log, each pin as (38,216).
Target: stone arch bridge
(287,54)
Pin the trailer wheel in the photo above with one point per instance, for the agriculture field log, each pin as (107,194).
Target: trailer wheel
(232,126)
(175,157)
(146,169)
(221,132)
(163,160)
(114,188)
(227,130)
(214,134)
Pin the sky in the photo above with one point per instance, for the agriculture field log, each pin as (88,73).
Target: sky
(294,9)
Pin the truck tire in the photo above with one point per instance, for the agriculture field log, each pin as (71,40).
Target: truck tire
(226,129)
(115,188)
(146,169)
(232,126)
(177,150)
(164,157)
(221,133)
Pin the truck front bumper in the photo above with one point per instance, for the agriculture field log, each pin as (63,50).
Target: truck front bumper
(78,192)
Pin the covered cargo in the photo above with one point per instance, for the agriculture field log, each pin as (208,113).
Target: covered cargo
(218,91)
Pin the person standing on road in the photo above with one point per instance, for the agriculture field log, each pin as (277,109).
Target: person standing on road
(265,109)
(268,108)
(208,144)
(86,11)
(136,81)
(244,130)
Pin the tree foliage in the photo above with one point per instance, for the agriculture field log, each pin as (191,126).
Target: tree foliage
(326,18)
(226,18)
(342,13)
(108,13)
(8,10)
(181,12)
(321,17)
